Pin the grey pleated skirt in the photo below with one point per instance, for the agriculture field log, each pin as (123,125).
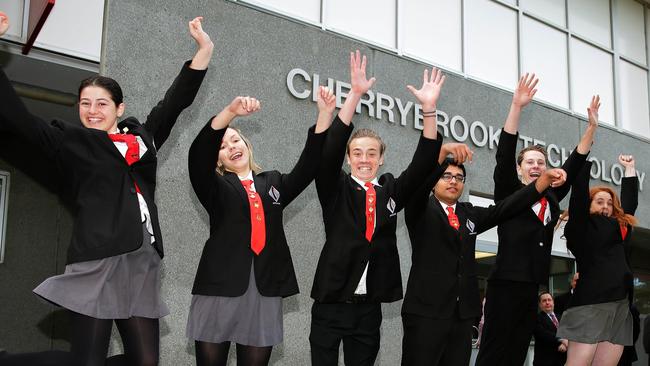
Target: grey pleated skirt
(250,319)
(117,287)
(610,321)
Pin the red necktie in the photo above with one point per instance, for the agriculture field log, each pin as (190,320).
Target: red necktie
(370,210)
(258,229)
(132,149)
(554,320)
(623,231)
(453,219)
(542,210)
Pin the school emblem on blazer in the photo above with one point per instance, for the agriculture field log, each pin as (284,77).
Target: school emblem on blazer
(470,226)
(391,206)
(275,194)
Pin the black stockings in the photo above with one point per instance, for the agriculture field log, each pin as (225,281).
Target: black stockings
(216,354)
(90,338)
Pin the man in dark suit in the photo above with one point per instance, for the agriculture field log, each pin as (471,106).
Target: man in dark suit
(549,349)
(562,300)
(442,297)
(358,268)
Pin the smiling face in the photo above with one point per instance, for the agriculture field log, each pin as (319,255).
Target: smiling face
(546,303)
(98,110)
(364,158)
(602,203)
(234,154)
(449,191)
(531,166)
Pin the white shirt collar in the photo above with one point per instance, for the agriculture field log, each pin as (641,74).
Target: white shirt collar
(444,206)
(249,176)
(374,182)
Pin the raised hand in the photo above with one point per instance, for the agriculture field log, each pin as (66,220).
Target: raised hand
(460,152)
(196,31)
(243,106)
(556,177)
(326,100)
(627,161)
(4,23)
(525,90)
(429,93)
(592,111)
(360,84)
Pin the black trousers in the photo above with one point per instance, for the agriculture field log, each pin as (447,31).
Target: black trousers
(432,342)
(510,317)
(356,325)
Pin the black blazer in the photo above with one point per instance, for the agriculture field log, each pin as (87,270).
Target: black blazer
(346,251)
(443,270)
(96,182)
(225,264)
(546,343)
(596,242)
(524,252)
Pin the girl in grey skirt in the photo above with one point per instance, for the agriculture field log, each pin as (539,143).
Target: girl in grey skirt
(598,323)
(108,173)
(245,268)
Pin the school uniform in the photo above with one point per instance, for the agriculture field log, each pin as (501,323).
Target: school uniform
(354,275)
(237,293)
(522,262)
(116,233)
(442,297)
(599,308)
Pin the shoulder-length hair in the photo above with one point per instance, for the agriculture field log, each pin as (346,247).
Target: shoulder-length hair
(617,211)
(251,160)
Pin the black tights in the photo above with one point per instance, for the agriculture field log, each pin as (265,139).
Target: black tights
(216,354)
(90,338)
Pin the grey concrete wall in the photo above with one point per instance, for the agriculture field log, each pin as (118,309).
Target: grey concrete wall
(147,41)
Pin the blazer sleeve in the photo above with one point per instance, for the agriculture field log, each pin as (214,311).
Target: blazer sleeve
(523,199)
(179,96)
(15,117)
(423,164)
(542,333)
(419,201)
(629,194)
(578,209)
(202,160)
(306,168)
(506,181)
(333,154)
(572,167)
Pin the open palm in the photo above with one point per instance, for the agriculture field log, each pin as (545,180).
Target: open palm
(429,93)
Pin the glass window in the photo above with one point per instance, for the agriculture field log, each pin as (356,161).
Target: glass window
(491,42)
(308,10)
(4,194)
(635,115)
(544,52)
(420,37)
(14,10)
(553,10)
(371,20)
(591,73)
(591,19)
(630,32)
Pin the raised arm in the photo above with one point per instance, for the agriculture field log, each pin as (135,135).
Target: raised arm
(15,117)
(629,185)
(204,151)
(578,210)
(360,86)
(183,90)
(308,164)
(523,95)
(427,96)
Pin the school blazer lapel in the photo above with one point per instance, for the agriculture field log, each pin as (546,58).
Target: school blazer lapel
(234,181)
(452,234)
(358,203)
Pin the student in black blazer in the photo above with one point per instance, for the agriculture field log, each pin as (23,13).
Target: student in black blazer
(598,322)
(246,268)
(442,297)
(550,350)
(525,241)
(358,268)
(108,177)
